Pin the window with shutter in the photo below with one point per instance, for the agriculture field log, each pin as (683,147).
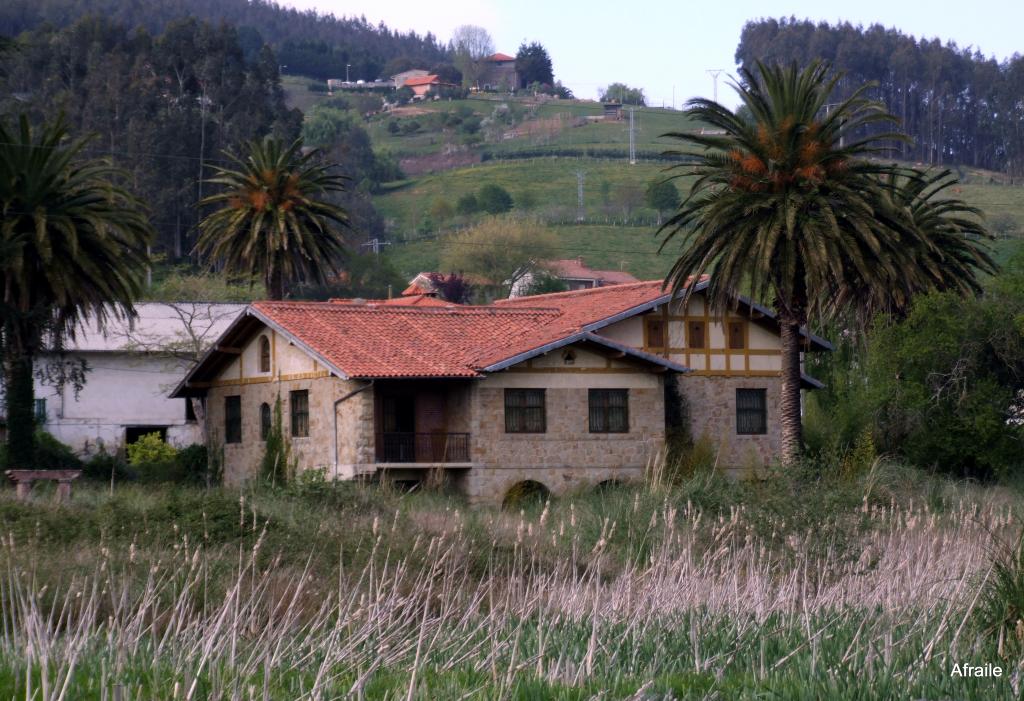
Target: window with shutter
(609,410)
(655,333)
(264,354)
(525,411)
(695,334)
(266,421)
(751,411)
(737,340)
(298,403)
(233,419)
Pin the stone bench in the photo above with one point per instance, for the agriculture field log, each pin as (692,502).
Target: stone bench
(23,480)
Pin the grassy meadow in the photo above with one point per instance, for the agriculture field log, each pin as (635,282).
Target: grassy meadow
(797,587)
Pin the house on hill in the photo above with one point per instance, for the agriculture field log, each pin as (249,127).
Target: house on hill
(498,72)
(422,85)
(131,367)
(566,390)
(575,274)
(399,79)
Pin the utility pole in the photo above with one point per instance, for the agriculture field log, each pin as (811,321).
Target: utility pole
(828,110)
(714,73)
(347,66)
(580,216)
(632,138)
(375,244)
(673,98)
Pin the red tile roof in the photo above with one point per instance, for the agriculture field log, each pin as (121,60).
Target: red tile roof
(500,57)
(575,268)
(406,300)
(389,340)
(421,80)
(436,339)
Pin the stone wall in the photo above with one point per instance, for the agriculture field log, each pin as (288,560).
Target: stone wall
(567,456)
(290,369)
(711,402)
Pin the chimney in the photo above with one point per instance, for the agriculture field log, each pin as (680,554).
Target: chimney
(579,260)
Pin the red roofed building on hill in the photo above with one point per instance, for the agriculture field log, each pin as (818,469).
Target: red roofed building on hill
(421,85)
(563,390)
(498,73)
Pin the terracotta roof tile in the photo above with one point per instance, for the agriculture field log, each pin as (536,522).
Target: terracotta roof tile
(378,340)
(500,57)
(575,268)
(421,80)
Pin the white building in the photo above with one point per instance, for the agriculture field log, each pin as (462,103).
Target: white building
(131,369)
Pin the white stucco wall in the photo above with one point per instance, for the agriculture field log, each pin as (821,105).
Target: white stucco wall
(121,390)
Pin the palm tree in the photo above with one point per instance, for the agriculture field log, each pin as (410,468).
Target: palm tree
(787,205)
(71,244)
(272,220)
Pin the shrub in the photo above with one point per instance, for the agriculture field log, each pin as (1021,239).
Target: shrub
(410,127)
(393,127)
(494,199)
(194,464)
(51,454)
(104,466)
(467,204)
(275,466)
(154,459)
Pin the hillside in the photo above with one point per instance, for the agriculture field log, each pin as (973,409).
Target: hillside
(618,230)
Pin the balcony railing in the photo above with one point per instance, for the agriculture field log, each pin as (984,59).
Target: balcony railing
(423,447)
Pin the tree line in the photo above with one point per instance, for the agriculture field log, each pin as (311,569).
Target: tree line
(308,42)
(958,106)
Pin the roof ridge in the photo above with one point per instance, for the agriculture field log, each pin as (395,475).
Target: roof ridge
(579,293)
(376,306)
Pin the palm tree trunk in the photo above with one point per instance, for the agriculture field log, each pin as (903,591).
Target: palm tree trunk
(789,402)
(21,423)
(275,284)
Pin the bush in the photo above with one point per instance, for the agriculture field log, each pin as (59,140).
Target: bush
(317,86)
(154,459)
(194,464)
(494,199)
(51,454)
(104,466)
(410,127)
(467,204)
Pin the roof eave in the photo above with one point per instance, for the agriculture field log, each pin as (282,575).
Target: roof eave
(584,335)
(250,312)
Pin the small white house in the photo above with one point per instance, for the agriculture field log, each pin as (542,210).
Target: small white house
(131,369)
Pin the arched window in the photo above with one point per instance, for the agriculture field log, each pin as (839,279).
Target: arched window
(264,354)
(265,421)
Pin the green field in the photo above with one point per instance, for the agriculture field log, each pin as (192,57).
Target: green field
(863,587)
(548,185)
(551,184)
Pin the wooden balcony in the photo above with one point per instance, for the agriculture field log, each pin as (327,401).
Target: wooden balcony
(435,447)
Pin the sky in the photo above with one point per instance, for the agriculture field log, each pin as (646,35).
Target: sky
(667,47)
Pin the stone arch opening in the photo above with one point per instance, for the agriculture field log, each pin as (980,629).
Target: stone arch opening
(525,493)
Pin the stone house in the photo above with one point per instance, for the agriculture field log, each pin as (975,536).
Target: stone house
(566,390)
(498,73)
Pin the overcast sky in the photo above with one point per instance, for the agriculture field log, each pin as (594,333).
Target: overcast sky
(669,46)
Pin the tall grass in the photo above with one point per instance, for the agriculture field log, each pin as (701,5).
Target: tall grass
(707,589)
